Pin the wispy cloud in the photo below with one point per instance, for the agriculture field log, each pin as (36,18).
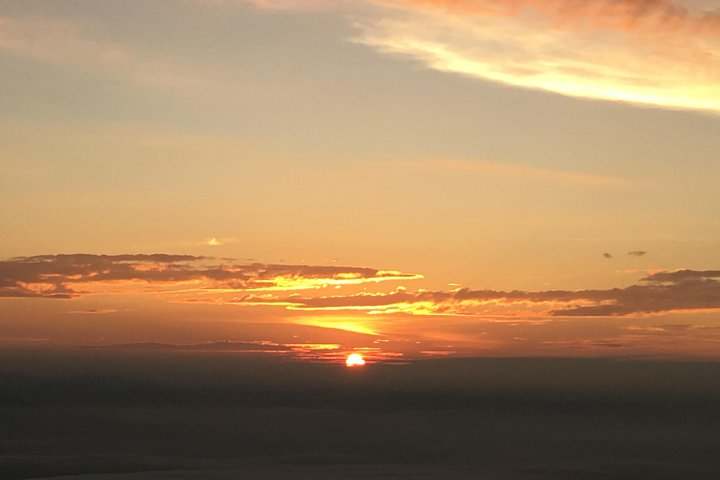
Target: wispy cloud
(655,52)
(514,171)
(66,44)
(218,241)
(662,53)
(94,311)
(274,4)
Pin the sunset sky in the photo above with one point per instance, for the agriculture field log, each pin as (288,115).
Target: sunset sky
(403,178)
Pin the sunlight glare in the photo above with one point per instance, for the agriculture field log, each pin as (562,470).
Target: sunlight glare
(355,360)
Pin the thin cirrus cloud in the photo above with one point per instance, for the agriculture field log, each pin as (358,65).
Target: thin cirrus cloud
(663,292)
(77,275)
(516,171)
(661,53)
(62,43)
(274,4)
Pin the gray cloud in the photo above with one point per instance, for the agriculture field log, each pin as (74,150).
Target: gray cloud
(681,276)
(67,276)
(658,293)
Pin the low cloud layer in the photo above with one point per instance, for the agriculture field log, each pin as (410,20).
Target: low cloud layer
(320,312)
(662,292)
(70,276)
(305,287)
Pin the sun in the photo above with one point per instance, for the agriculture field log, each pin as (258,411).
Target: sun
(355,360)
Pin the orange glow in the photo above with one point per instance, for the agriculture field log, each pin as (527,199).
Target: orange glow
(346,324)
(299,282)
(355,360)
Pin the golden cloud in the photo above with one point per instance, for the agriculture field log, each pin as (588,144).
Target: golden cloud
(651,52)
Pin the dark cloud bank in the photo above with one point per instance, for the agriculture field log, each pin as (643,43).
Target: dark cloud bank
(136,414)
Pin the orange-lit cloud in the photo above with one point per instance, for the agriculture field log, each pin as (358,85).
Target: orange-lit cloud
(663,53)
(632,15)
(313,313)
(218,241)
(684,290)
(346,324)
(342,309)
(324,352)
(69,276)
(652,52)
(184,277)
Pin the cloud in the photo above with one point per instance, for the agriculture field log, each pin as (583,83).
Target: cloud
(217,241)
(607,255)
(651,52)
(663,292)
(317,352)
(661,53)
(65,44)
(295,350)
(637,253)
(507,170)
(683,276)
(662,330)
(94,311)
(69,276)
(274,4)
(193,279)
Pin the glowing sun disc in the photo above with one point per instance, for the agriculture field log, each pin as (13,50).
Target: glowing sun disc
(355,360)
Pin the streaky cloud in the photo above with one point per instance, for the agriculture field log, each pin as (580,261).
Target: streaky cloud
(659,53)
(196,279)
(74,275)
(664,292)
(510,170)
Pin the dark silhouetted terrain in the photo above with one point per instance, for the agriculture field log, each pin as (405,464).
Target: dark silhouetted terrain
(142,413)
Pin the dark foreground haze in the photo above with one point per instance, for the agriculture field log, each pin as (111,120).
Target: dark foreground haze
(128,414)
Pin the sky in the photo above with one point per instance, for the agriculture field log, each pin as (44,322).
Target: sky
(403,178)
